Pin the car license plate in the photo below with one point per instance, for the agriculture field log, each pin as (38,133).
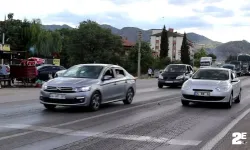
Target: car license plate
(201,93)
(57,96)
(169,81)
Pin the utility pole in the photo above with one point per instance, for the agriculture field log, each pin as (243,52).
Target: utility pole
(139,54)
(3,35)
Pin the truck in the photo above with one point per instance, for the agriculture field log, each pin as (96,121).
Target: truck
(238,67)
(206,62)
(245,68)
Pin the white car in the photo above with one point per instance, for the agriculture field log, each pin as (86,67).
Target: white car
(217,85)
(59,73)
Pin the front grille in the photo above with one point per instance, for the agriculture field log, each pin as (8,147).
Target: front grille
(63,101)
(169,78)
(205,90)
(204,98)
(60,89)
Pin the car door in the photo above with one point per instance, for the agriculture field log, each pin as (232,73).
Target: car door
(187,74)
(120,82)
(109,91)
(235,86)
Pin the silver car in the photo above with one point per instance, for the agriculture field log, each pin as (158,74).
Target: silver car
(218,85)
(89,85)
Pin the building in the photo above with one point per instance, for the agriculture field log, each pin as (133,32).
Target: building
(175,42)
(127,45)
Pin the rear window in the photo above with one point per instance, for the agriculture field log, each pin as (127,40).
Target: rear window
(175,68)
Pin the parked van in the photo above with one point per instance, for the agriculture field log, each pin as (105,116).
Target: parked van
(206,62)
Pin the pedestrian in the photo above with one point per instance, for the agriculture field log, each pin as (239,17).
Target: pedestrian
(149,72)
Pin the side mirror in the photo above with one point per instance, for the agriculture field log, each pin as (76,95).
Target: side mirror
(235,80)
(107,77)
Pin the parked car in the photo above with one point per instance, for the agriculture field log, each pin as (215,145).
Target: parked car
(47,70)
(89,85)
(218,85)
(59,73)
(175,75)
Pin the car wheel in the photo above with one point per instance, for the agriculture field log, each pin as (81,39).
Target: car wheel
(95,101)
(160,86)
(238,98)
(129,96)
(49,107)
(185,103)
(229,103)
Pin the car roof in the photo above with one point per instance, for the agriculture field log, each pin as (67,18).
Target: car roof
(180,64)
(104,65)
(213,68)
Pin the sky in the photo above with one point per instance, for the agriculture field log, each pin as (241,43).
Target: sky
(219,20)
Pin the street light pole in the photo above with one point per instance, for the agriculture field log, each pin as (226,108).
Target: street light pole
(3,34)
(139,54)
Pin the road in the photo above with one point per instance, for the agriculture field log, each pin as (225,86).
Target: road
(155,120)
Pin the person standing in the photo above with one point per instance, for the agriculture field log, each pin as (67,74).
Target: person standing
(149,72)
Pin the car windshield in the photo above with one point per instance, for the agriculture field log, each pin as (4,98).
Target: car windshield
(205,63)
(210,74)
(228,67)
(175,68)
(91,72)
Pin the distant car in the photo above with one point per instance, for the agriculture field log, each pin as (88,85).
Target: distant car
(89,85)
(218,85)
(59,73)
(230,66)
(175,75)
(44,71)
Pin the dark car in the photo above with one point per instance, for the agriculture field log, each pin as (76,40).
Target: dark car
(45,70)
(175,75)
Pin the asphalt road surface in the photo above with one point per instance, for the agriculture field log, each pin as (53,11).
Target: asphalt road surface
(155,120)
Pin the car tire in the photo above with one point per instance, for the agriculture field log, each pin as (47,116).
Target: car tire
(49,107)
(229,104)
(185,103)
(95,101)
(129,96)
(160,85)
(238,98)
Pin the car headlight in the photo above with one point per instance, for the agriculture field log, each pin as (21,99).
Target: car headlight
(83,89)
(160,76)
(223,88)
(186,86)
(44,86)
(180,77)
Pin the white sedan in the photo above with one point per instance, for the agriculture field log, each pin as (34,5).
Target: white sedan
(217,85)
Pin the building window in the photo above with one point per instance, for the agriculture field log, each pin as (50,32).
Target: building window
(156,47)
(157,41)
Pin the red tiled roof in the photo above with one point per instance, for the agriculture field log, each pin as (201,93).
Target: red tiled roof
(127,43)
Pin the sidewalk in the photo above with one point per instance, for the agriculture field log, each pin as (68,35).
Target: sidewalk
(18,94)
(242,126)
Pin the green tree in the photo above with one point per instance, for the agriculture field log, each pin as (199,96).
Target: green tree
(212,55)
(164,43)
(91,43)
(200,53)
(185,54)
(147,58)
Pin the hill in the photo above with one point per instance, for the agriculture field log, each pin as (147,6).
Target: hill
(231,48)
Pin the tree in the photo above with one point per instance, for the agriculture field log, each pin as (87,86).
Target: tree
(185,54)
(212,55)
(147,58)
(91,43)
(164,43)
(200,53)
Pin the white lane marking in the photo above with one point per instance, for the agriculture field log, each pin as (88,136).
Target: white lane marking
(218,137)
(92,117)
(70,132)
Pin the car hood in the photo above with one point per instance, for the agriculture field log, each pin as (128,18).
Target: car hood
(71,82)
(205,84)
(172,74)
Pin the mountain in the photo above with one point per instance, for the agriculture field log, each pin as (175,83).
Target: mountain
(55,27)
(231,48)
(202,40)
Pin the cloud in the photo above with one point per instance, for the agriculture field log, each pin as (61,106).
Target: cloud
(182,2)
(215,11)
